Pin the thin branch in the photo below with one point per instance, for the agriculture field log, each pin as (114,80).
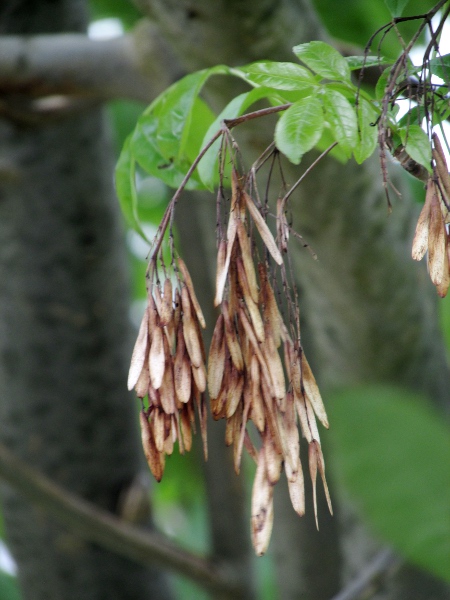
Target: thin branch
(370,579)
(101,527)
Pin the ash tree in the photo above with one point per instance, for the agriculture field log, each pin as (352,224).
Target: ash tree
(284,291)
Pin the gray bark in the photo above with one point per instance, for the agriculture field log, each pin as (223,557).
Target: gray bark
(65,337)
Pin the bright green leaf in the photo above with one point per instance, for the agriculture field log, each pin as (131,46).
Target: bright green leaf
(300,128)
(381,84)
(367,131)
(279,75)
(341,116)
(393,452)
(323,60)
(358,62)
(208,166)
(417,145)
(396,7)
(440,66)
(125,188)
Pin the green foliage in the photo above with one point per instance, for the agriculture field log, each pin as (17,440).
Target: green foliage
(440,66)
(393,453)
(9,589)
(326,108)
(119,9)
(417,144)
(299,128)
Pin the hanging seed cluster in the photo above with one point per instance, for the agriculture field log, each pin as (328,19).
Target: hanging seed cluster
(168,367)
(246,379)
(431,231)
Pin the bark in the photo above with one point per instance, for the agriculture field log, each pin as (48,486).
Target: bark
(65,337)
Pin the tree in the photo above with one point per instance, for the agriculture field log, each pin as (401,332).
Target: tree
(359,268)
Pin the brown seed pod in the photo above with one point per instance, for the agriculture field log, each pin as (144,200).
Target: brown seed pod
(190,287)
(182,369)
(232,341)
(154,458)
(262,507)
(139,352)
(247,260)
(252,307)
(264,231)
(216,359)
(312,392)
(157,358)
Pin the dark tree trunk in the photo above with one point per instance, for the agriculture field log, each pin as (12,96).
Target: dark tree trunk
(65,337)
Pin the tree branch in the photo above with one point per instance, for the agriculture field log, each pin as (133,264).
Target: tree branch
(370,578)
(98,526)
(136,66)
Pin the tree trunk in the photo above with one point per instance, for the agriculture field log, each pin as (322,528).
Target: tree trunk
(65,337)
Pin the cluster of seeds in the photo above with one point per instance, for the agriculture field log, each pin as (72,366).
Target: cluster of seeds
(431,231)
(246,379)
(168,367)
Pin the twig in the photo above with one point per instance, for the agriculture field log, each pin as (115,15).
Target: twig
(370,579)
(101,527)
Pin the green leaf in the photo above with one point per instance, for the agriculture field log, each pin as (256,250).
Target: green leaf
(417,145)
(341,117)
(300,128)
(393,453)
(396,7)
(358,62)
(126,189)
(168,135)
(367,131)
(440,66)
(323,60)
(208,166)
(279,75)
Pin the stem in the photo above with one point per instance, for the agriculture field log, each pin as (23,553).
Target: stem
(101,527)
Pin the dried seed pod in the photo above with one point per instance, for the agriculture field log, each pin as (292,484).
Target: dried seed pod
(247,260)
(167,389)
(154,458)
(143,382)
(282,226)
(252,307)
(307,418)
(271,312)
(186,430)
(139,352)
(216,359)
(296,487)
(177,309)
(441,167)
(273,362)
(157,358)
(442,288)
(231,338)
(262,507)
(234,392)
(257,413)
(221,280)
(221,272)
(436,239)
(420,242)
(240,433)
(315,458)
(166,304)
(153,318)
(264,231)
(274,460)
(182,370)
(199,375)
(158,428)
(190,287)
(312,392)
(190,331)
